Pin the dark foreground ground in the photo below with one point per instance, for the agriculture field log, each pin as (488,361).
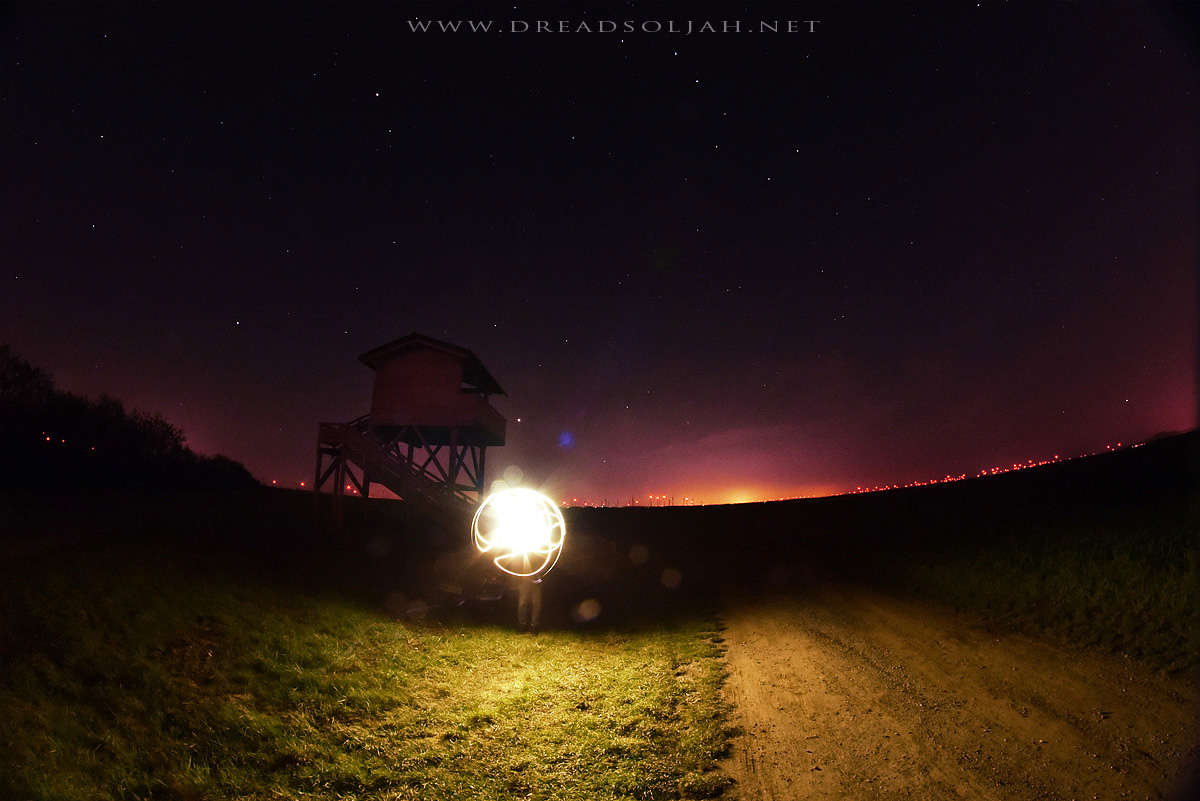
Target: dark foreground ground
(1026,635)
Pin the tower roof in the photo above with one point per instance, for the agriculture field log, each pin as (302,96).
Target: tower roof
(475,375)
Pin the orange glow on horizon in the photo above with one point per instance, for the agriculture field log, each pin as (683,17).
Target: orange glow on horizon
(718,495)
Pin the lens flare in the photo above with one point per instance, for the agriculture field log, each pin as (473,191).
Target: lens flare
(523,528)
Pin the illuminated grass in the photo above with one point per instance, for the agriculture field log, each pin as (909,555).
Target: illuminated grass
(128,676)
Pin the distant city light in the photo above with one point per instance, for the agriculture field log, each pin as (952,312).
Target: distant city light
(665,499)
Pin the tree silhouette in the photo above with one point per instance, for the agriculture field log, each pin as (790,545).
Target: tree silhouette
(55,439)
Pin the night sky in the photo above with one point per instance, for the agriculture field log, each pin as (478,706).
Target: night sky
(916,241)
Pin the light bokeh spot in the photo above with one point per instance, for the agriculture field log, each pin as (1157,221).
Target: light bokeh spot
(587,610)
(671,578)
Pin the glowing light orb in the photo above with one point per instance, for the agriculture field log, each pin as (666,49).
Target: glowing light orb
(523,528)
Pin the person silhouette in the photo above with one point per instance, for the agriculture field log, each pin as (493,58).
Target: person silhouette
(529,602)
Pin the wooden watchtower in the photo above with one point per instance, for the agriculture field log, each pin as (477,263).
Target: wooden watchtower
(428,431)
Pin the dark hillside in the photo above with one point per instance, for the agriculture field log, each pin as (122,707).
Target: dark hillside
(1101,550)
(848,528)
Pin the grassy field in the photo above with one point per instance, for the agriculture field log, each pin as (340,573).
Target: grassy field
(1126,582)
(213,646)
(141,670)
(1102,552)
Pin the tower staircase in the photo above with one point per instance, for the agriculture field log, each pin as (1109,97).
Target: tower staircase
(416,476)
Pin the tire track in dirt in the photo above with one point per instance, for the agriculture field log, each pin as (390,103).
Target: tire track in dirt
(842,694)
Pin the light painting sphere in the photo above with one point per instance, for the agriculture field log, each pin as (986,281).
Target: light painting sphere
(521,530)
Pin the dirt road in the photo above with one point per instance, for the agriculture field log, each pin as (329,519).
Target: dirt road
(846,695)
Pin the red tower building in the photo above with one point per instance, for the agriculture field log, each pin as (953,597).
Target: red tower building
(427,433)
